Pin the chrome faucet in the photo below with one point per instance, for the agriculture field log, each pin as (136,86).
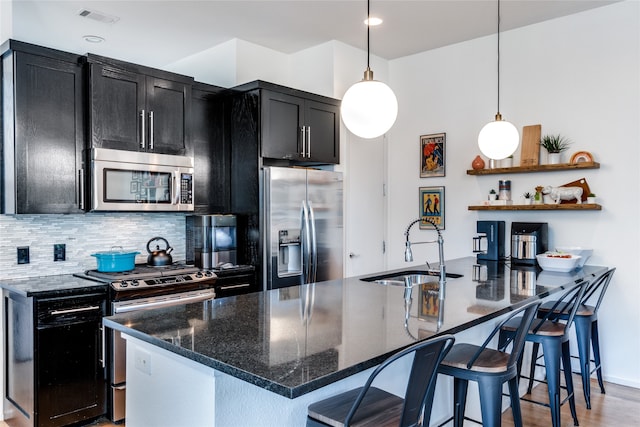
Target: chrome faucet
(408,254)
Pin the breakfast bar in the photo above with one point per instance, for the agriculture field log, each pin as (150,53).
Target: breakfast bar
(262,358)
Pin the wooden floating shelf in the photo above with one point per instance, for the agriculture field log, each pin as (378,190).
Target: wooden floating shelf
(541,207)
(536,168)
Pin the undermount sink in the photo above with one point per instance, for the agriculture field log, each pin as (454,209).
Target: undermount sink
(414,277)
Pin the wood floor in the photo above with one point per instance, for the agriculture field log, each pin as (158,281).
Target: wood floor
(619,407)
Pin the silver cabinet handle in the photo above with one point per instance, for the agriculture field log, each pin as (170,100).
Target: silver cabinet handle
(151,130)
(103,351)
(309,142)
(242,285)
(74,310)
(81,199)
(304,140)
(143,128)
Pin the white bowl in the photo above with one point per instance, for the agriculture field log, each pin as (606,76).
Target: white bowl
(576,250)
(556,261)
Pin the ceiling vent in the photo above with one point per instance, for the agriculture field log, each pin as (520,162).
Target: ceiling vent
(98,16)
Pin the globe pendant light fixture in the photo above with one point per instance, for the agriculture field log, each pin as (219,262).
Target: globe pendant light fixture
(498,139)
(369,107)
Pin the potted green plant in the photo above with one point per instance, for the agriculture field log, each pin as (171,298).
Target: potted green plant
(527,198)
(493,195)
(555,145)
(591,198)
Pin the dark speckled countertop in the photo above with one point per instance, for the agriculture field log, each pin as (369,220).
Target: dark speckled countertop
(295,340)
(52,286)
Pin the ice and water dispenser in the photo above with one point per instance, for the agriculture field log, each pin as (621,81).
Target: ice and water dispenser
(289,253)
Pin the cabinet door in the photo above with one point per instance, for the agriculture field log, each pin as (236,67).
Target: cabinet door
(323,124)
(168,105)
(282,120)
(71,382)
(117,103)
(212,156)
(49,135)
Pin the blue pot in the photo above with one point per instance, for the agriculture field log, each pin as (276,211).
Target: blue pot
(114,261)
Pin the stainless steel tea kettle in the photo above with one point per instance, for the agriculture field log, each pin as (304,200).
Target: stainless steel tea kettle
(159,257)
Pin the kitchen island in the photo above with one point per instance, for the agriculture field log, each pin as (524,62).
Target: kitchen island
(260,359)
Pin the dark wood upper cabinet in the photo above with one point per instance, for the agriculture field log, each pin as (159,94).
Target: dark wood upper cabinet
(297,126)
(211,149)
(136,108)
(43,130)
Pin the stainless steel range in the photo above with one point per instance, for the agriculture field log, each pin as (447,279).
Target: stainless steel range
(145,288)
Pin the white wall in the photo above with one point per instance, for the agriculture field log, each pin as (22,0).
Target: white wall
(578,76)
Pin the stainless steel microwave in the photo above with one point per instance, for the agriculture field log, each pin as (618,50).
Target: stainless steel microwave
(138,181)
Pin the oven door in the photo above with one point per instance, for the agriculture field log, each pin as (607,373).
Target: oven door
(118,344)
(140,181)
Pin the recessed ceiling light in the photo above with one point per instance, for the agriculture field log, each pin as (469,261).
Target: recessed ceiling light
(372,21)
(93,39)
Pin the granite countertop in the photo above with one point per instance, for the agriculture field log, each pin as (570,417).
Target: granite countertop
(294,340)
(52,286)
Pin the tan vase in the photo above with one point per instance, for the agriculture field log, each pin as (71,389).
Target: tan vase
(478,163)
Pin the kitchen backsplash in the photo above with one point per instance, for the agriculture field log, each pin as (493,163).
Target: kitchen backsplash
(83,235)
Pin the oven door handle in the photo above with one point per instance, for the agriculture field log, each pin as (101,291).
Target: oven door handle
(143,305)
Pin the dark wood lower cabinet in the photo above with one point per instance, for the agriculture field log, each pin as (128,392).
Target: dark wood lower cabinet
(54,371)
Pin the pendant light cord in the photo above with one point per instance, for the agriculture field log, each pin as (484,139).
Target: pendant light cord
(368,27)
(498,56)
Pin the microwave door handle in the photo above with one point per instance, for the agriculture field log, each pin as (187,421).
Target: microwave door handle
(175,177)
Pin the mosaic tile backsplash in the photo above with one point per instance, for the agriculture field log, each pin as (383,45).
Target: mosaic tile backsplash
(83,235)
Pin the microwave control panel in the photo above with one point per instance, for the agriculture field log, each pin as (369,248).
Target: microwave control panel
(186,189)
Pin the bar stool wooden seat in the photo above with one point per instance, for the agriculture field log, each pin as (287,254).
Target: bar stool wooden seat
(371,406)
(586,320)
(554,337)
(490,369)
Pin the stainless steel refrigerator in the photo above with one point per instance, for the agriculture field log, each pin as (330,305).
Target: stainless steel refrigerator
(303,226)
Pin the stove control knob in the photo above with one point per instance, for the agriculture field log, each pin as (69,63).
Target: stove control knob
(199,274)
(134,283)
(122,284)
(208,273)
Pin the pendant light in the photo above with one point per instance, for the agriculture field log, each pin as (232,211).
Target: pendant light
(498,139)
(369,107)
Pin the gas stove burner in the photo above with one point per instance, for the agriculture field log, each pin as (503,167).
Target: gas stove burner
(144,271)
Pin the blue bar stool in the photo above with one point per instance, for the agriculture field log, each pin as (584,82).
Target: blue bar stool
(371,406)
(490,369)
(586,320)
(554,337)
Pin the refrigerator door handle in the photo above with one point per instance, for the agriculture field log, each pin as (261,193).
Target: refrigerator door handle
(306,244)
(314,245)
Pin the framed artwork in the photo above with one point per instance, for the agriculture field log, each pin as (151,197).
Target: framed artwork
(431,207)
(429,302)
(432,155)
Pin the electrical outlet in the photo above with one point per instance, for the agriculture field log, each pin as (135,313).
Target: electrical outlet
(23,254)
(142,361)
(59,252)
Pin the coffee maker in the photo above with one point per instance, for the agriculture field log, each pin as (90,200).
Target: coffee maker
(489,243)
(528,239)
